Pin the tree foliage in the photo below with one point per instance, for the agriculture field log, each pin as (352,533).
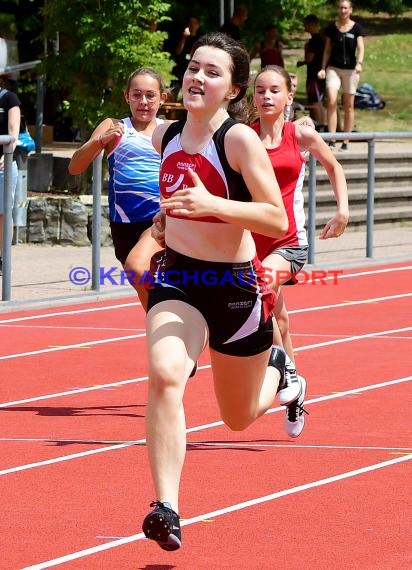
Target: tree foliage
(391,7)
(100,42)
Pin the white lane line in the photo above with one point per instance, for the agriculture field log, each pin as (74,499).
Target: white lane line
(345,304)
(373,272)
(62,458)
(65,313)
(335,275)
(351,339)
(70,346)
(81,390)
(201,427)
(223,511)
(105,386)
(291,312)
(241,444)
(292,445)
(122,305)
(74,391)
(317,335)
(71,440)
(25,326)
(128,337)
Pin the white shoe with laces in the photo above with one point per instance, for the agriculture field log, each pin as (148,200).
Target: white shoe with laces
(290,388)
(295,412)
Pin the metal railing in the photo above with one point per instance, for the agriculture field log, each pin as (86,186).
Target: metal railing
(370,195)
(7,142)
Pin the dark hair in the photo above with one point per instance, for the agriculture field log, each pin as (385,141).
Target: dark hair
(146,71)
(311,19)
(240,66)
(240,111)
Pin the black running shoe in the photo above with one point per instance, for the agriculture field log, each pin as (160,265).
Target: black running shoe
(277,359)
(163,526)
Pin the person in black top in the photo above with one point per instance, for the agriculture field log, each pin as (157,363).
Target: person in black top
(10,116)
(232,27)
(342,64)
(181,54)
(315,87)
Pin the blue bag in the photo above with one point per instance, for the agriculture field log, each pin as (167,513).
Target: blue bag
(366,97)
(25,142)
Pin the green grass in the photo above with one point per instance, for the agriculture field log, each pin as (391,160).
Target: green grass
(387,66)
(388,62)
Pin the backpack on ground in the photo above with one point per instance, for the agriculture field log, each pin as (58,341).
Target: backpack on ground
(367,98)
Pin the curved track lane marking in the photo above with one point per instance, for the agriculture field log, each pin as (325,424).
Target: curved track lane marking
(202,427)
(141,335)
(72,312)
(223,511)
(70,346)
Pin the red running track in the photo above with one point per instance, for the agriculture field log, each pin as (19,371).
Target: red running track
(74,473)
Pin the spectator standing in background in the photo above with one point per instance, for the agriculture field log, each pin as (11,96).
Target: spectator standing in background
(232,27)
(290,108)
(269,49)
(315,87)
(181,54)
(342,64)
(10,116)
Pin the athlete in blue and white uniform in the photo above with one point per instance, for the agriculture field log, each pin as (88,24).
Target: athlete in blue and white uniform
(134,183)
(133,173)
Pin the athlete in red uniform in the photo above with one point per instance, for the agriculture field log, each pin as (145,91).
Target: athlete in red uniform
(286,143)
(217,186)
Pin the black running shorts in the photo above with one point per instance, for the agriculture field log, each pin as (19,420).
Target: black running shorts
(235,303)
(125,236)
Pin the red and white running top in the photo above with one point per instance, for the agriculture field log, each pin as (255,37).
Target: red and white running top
(289,166)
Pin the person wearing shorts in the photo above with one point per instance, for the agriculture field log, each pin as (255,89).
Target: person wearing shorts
(133,173)
(10,116)
(286,144)
(315,87)
(342,64)
(297,256)
(216,288)
(217,186)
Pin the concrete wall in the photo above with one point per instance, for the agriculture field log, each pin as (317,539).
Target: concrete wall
(49,208)
(62,220)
